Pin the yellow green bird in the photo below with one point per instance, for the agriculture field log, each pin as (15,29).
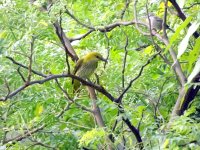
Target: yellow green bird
(85,67)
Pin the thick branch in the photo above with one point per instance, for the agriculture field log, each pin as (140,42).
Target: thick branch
(176,66)
(51,77)
(65,42)
(135,131)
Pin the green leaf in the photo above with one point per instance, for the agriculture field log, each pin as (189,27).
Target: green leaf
(183,45)
(177,32)
(195,71)
(92,136)
(38,110)
(194,54)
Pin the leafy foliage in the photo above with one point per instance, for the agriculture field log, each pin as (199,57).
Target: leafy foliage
(42,116)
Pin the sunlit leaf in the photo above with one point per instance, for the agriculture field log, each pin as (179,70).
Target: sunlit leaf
(183,45)
(194,54)
(175,36)
(38,110)
(195,71)
(166,143)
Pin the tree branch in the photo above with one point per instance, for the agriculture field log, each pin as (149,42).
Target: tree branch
(125,8)
(25,67)
(182,15)
(135,131)
(51,77)
(118,100)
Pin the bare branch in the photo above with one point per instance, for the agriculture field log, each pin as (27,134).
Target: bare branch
(135,131)
(124,62)
(125,8)
(164,19)
(81,36)
(52,77)
(160,95)
(40,143)
(142,47)
(192,5)
(67,107)
(108,28)
(108,50)
(176,66)
(66,54)
(65,41)
(26,134)
(8,88)
(79,22)
(138,127)
(137,22)
(116,121)
(21,75)
(30,60)
(25,67)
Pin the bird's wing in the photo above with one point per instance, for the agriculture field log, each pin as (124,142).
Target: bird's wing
(76,68)
(158,19)
(78,65)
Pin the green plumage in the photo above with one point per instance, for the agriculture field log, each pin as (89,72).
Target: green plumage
(85,67)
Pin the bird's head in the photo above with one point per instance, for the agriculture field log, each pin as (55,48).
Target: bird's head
(151,14)
(94,56)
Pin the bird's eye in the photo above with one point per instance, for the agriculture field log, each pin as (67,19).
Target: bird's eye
(97,56)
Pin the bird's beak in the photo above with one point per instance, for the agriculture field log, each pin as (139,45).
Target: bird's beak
(103,59)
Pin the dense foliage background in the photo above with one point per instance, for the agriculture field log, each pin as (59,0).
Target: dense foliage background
(156,74)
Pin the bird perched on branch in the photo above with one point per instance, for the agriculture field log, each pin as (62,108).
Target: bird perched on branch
(157,23)
(85,67)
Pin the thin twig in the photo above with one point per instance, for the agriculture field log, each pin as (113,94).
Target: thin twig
(108,50)
(116,121)
(142,47)
(66,54)
(159,97)
(124,61)
(81,36)
(25,67)
(136,19)
(192,5)
(21,75)
(30,60)
(67,107)
(125,8)
(79,22)
(25,134)
(138,127)
(164,19)
(40,143)
(118,100)
(65,41)
(71,99)
(8,88)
